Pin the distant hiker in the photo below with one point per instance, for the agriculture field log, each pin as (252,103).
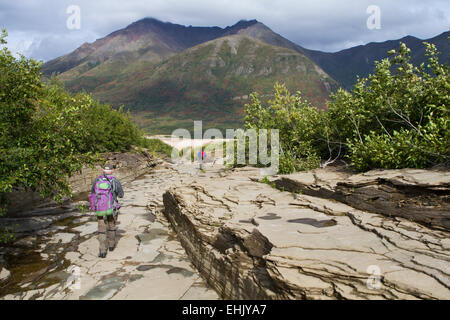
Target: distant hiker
(103,199)
(202,156)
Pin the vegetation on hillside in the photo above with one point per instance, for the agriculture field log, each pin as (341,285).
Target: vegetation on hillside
(48,134)
(210,81)
(398,117)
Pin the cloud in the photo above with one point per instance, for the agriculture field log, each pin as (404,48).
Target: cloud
(38,28)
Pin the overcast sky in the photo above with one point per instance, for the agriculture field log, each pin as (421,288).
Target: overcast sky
(38,28)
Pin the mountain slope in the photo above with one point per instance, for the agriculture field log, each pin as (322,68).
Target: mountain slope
(345,65)
(168,74)
(147,40)
(212,81)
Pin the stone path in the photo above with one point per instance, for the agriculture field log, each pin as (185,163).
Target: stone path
(148,262)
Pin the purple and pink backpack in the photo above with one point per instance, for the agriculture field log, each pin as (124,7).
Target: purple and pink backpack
(102,200)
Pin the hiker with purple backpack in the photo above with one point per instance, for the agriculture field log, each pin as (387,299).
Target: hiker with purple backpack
(103,199)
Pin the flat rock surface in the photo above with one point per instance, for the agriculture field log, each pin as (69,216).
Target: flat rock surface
(250,240)
(420,195)
(148,262)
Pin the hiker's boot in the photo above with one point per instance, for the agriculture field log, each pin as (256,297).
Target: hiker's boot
(102,244)
(111,239)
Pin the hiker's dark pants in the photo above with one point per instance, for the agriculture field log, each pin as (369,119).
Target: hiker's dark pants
(107,232)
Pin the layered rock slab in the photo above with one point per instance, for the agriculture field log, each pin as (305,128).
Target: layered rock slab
(251,241)
(416,194)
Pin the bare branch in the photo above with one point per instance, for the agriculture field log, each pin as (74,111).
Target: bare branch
(330,160)
(406,119)
(384,128)
(352,119)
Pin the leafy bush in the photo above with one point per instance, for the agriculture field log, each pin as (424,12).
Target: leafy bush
(107,129)
(47,134)
(302,127)
(397,117)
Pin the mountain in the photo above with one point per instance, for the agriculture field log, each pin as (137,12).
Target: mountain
(147,40)
(345,65)
(169,75)
(211,81)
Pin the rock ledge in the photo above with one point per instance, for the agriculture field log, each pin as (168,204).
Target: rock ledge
(250,241)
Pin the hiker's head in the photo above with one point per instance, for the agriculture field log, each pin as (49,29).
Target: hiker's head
(108,168)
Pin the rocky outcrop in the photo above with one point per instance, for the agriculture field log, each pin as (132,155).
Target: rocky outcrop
(251,241)
(420,195)
(130,165)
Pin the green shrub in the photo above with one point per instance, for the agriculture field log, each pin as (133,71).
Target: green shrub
(302,127)
(47,134)
(398,117)
(265,180)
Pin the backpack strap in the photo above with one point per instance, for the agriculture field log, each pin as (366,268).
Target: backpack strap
(114,192)
(111,184)
(106,177)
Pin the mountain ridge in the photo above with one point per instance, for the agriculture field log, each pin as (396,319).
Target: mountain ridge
(169,39)
(345,65)
(213,79)
(212,70)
